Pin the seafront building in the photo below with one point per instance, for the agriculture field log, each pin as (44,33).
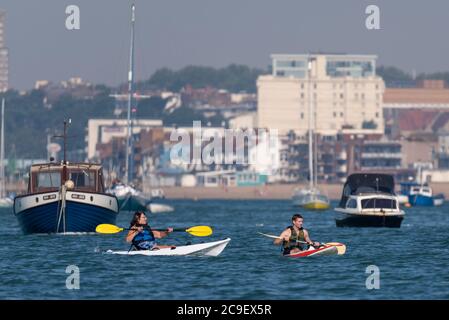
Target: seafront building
(343,90)
(3,54)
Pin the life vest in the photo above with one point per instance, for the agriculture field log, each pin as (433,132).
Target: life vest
(144,240)
(293,240)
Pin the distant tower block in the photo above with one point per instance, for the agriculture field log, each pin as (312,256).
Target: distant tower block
(3,54)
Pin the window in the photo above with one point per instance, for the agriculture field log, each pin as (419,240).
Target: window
(335,114)
(341,95)
(302,95)
(83,178)
(48,180)
(211,180)
(352,203)
(378,204)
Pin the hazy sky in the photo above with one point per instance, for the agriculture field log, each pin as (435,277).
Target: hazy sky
(176,33)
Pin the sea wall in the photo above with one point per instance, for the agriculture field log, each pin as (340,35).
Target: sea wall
(280,191)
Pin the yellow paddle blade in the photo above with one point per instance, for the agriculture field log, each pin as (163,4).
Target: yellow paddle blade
(341,248)
(200,231)
(108,228)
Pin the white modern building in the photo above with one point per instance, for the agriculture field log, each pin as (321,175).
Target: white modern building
(342,90)
(3,55)
(103,130)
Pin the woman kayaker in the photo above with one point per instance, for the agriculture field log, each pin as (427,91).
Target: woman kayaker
(142,237)
(294,237)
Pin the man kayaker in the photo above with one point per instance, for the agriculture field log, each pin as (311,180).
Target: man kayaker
(295,237)
(142,237)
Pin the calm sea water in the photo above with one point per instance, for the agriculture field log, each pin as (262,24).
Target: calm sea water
(413,260)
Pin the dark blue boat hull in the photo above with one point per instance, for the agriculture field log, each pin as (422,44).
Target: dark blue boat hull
(79,217)
(370,221)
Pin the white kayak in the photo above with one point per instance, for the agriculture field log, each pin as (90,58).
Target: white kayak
(201,249)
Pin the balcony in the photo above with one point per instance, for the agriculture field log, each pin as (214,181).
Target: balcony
(341,156)
(381,155)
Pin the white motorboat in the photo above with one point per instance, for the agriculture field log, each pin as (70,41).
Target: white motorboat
(369,200)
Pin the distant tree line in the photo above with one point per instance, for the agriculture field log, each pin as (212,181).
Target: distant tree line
(395,77)
(234,78)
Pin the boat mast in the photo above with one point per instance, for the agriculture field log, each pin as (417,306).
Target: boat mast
(64,161)
(2,153)
(309,71)
(129,142)
(315,153)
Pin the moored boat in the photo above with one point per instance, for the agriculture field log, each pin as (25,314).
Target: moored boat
(65,198)
(310,199)
(421,195)
(129,198)
(369,200)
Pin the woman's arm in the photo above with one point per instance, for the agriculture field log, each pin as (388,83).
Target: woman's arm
(162,234)
(132,233)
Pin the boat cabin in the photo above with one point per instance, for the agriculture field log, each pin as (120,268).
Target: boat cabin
(425,191)
(51,176)
(413,188)
(360,184)
(380,202)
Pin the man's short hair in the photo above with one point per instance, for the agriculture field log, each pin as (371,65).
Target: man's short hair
(297,216)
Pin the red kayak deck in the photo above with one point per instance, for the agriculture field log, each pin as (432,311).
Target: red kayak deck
(323,250)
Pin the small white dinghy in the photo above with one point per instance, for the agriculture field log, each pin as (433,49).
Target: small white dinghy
(159,208)
(201,249)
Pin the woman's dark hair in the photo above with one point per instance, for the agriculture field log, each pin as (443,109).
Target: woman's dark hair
(136,217)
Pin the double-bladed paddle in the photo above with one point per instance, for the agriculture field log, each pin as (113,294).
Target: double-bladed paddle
(198,231)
